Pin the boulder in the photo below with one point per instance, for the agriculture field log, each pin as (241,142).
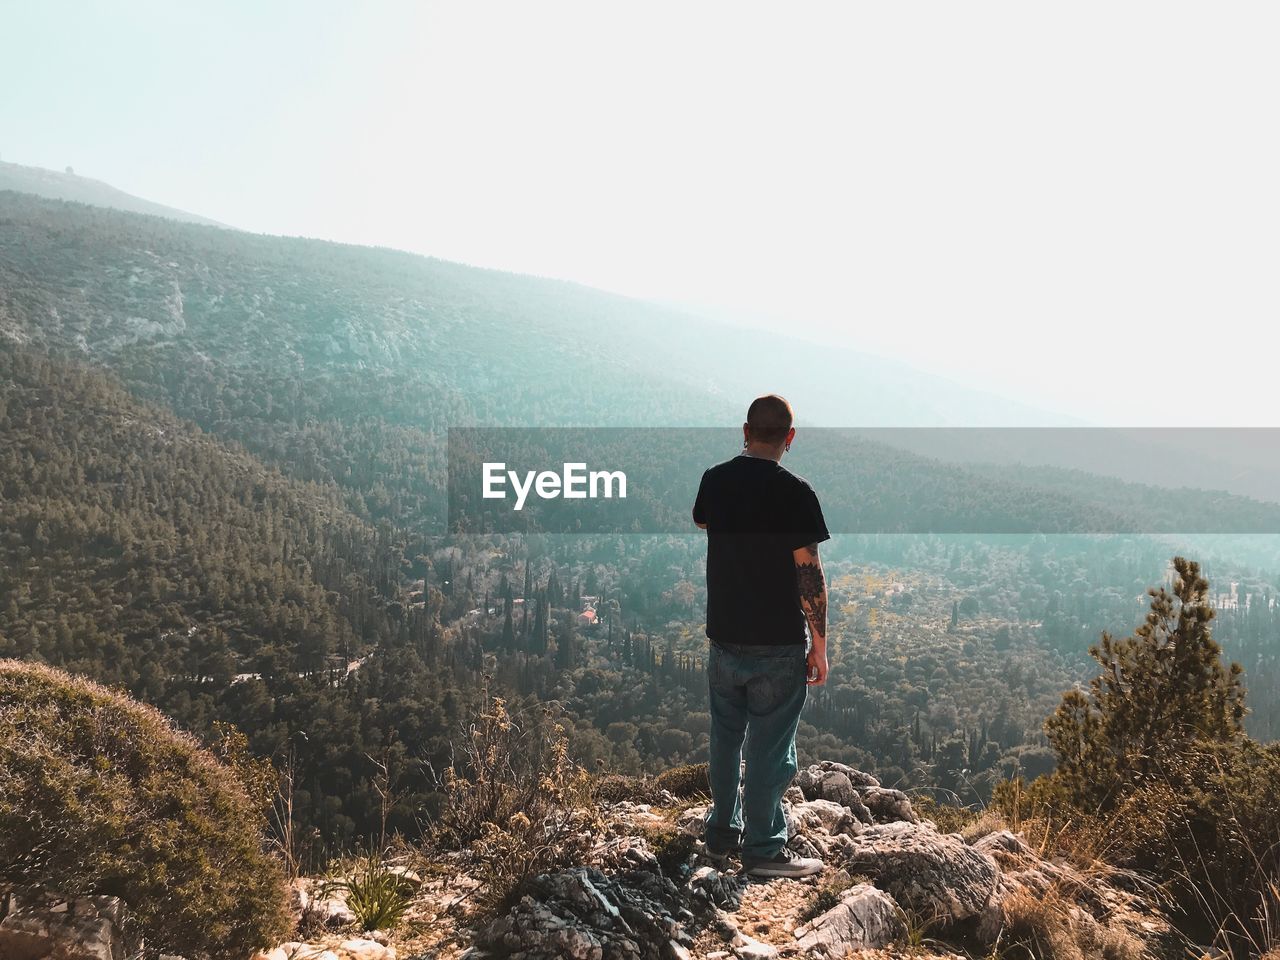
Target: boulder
(819,815)
(749,948)
(363,949)
(836,785)
(857,777)
(888,806)
(864,919)
(50,928)
(936,875)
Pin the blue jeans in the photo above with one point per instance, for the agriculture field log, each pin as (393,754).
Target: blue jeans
(756,696)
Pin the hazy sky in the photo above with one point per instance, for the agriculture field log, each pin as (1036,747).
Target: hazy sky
(1075,204)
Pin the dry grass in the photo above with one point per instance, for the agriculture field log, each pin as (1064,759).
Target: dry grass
(1049,927)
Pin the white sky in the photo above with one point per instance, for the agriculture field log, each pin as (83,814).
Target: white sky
(1073,204)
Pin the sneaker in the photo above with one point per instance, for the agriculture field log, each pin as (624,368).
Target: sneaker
(718,856)
(784,863)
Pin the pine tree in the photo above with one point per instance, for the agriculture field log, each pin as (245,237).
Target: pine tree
(1160,691)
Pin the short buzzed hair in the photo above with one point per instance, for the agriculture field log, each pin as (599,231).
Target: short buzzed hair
(769,418)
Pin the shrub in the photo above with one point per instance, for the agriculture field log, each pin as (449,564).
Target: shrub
(101,795)
(692,780)
(616,787)
(948,817)
(516,800)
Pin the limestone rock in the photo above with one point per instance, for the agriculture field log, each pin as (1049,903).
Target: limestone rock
(888,806)
(749,948)
(936,875)
(837,786)
(821,815)
(864,919)
(363,949)
(857,777)
(581,914)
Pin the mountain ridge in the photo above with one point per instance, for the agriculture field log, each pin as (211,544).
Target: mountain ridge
(70,187)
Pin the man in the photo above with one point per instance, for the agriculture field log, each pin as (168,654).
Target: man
(764,583)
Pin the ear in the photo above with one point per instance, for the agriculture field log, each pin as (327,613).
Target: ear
(791,435)
(746,433)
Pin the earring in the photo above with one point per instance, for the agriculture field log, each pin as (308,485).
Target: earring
(744,443)
(787,448)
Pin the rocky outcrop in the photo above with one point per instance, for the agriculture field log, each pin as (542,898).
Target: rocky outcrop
(861,793)
(643,892)
(864,919)
(36,927)
(936,875)
(581,914)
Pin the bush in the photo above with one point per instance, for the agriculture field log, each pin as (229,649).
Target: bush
(616,787)
(688,781)
(101,795)
(516,800)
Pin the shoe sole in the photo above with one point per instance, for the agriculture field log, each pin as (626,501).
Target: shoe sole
(775,872)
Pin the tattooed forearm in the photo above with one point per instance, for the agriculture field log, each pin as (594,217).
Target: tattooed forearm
(813,590)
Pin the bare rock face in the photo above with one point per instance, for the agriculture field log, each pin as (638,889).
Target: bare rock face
(47,928)
(936,875)
(581,914)
(864,919)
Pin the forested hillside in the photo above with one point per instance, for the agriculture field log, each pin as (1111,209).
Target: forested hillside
(223,489)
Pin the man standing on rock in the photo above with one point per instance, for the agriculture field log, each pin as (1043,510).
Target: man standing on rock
(764,583)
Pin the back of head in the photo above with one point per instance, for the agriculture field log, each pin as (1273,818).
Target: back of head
(769,419)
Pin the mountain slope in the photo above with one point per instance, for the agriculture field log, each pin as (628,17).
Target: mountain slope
(68,186)
(348,365)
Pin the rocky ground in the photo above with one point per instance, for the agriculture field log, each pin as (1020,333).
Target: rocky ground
(895,886)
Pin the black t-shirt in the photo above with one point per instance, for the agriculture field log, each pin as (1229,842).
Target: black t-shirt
(757,513)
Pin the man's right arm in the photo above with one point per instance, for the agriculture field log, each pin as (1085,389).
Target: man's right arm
(700,504)
(813,601)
